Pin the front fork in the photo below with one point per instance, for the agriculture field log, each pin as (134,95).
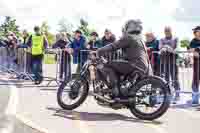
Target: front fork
(92,71)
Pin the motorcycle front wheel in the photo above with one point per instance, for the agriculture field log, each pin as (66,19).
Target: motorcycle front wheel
(152,98)
(64,98)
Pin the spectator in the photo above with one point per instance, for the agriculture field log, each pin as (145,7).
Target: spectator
(58,37)
(152,44)
(38,43)
(107,39)
(3,52)
(65,59)
(194,46)
(11,44)
(78,44)
(94,42)
(25,37)
(167,45)
(61,41)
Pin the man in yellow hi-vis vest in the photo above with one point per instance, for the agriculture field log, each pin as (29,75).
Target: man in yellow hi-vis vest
(38,43)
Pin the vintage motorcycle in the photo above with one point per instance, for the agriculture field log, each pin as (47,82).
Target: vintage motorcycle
(148,98)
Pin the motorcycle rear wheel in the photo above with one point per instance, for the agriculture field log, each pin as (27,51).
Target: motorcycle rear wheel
(155,82)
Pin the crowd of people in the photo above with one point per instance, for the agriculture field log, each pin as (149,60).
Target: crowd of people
(71,45)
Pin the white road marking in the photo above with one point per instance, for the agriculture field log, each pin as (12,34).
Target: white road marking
(8,129)
(13,101)
(32,124)
(11,108)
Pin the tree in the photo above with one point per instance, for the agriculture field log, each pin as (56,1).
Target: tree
(45,30)
(45,27)
(9,25)
(185,43)
(65,26)
(85,28)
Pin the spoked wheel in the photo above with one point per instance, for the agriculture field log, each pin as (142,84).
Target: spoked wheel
(152,98)
(69,98)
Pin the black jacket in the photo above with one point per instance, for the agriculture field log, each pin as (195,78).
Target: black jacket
(133,49)
(108,41)
(195,43)
(60,44)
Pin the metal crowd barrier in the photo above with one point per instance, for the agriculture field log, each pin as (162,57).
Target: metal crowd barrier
(13,61)
(17,64)
(51,65)
(179,68)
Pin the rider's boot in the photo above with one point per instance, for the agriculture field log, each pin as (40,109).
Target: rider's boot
(115,89)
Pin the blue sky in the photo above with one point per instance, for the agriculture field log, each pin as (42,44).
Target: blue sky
(181,15)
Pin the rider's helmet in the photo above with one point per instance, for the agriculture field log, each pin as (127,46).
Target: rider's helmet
(132,27)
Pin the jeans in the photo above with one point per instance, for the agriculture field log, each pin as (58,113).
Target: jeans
(10,63)
(65,66)
(28,63)
(37,67)
(195,81)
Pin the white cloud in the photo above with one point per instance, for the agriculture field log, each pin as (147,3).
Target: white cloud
(100,13)
(5,9)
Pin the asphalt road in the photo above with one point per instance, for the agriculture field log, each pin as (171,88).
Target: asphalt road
(8,122)
(37,110)
(39,107)
(4,91)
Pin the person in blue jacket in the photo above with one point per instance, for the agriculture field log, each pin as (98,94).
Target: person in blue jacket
(79,43)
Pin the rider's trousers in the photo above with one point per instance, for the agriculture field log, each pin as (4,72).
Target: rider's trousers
(112,72)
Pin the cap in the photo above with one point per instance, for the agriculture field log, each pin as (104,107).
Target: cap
(197,28)
(94,34)
(107,30)
(78,31)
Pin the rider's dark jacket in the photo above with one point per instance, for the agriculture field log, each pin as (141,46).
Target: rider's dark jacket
(133,49)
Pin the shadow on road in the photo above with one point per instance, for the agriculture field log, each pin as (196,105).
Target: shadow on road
(188,106)
(88,116)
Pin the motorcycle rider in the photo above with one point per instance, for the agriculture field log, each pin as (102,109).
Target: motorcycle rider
(135,56)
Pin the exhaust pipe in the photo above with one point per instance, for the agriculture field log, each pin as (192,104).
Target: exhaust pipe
(103,98)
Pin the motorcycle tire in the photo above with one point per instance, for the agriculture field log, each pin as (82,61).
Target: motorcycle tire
(166,102)
(81,99)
